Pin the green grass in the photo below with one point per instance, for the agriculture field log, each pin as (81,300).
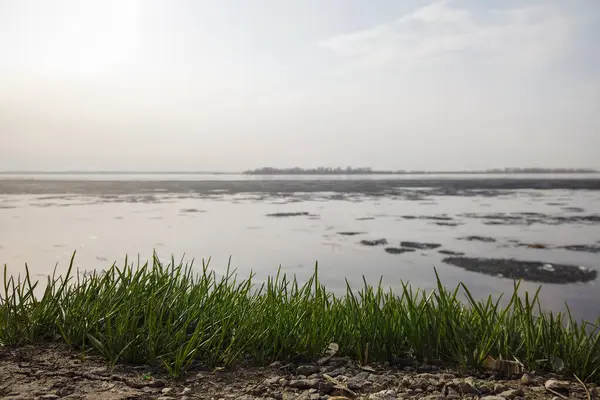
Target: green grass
(171,316)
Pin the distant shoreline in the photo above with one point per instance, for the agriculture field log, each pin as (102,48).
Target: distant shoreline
(320,171)
(369,171)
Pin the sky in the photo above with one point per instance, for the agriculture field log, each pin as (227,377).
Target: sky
(229,85)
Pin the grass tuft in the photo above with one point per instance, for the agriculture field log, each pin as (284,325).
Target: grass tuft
(175,315)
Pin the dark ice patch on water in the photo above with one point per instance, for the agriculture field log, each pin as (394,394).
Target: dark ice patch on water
(451,252)
(443,223)
(191,210)
(587,248)
(398,250)
(376,242)
(476,238)
(533,271)
(573,209)
(420,245)
(289,214)
(530,218)
(441,217)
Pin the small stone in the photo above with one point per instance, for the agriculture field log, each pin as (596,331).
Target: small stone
(307,369)
(499,388)
(452,394)
(358,381)
(492,398)
(467,386)
(554,384)
(326,387)
(186,391)
(383,395)
(304,396)
(50,396)
(315,396)
(433,397)
(338,398)
(304,384)
(526,379)
(428,376)
(337,372)
(165,398)
(512,393)
(166,390)
(276,364)
(271,381)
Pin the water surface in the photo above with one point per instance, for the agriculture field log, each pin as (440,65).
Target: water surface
(43,227)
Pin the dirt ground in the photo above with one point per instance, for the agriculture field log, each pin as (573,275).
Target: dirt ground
(55,372)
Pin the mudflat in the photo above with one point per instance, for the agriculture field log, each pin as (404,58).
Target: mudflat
(366,186)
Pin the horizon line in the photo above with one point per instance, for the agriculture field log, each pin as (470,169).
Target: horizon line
(301,170)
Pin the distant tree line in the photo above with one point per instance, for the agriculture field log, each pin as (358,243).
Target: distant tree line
(370,171)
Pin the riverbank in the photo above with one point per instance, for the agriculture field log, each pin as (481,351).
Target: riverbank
(52,371)
(174,318)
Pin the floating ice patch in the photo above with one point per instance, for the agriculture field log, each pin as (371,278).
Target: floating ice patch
(548,267)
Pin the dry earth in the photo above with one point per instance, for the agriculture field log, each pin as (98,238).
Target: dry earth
(54,372)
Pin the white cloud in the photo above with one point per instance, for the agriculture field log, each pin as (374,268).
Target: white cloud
(437,12)
(526,36)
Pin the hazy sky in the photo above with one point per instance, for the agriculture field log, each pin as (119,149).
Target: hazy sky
(236,84)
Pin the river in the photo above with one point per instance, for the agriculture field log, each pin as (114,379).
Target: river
(262,223)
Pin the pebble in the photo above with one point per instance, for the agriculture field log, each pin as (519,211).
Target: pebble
(526,379)
(271,381)
(554,384)
(512,393)
(326,387)
(303,384)
(383,395)
(358,381)
(186,391)
(452,394)
(492,398)
(428,376)
(337,372)
(499,388)
(433,397)
(466,387)
(307,369)
(167,390)
(50,397)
